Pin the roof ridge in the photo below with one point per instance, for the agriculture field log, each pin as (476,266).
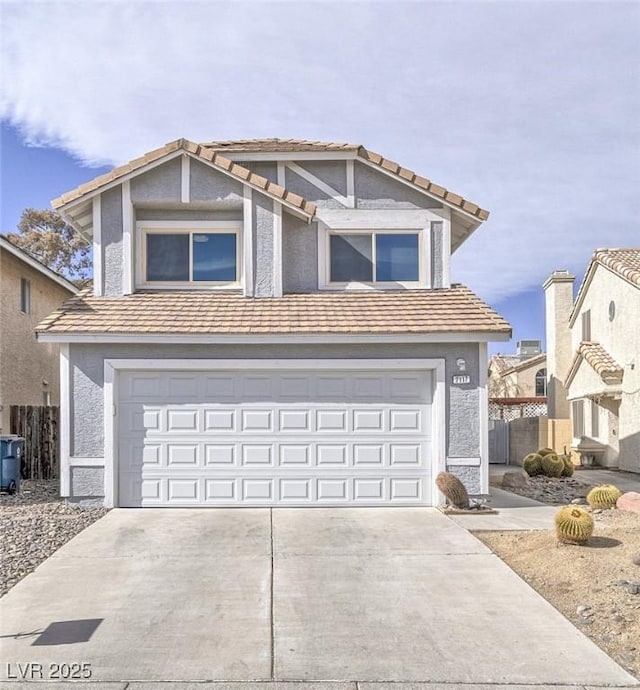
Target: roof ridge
(225,165)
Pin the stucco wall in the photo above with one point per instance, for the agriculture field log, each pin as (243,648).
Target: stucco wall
(263,225)
(24,362)
(300,255)
(376,190)
(156,195)
(163,182)
(619,337)
(209,185)
(111,234)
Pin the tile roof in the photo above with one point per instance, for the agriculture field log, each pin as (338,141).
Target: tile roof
(207,155)
(278,145)
(455,309)
(624,262)
(423,183)
(404,174)
(525,363)
(599,360)
(210,153)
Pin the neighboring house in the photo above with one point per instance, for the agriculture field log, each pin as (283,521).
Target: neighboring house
(523,375)
(29,291)
(603,380)
(272,323)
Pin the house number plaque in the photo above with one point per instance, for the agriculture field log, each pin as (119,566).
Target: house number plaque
(461,378)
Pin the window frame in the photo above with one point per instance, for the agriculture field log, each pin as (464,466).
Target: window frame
(541,376)
(324,259)
(577,419)
(595,419)
(187,227)
(585,326)
(25,296)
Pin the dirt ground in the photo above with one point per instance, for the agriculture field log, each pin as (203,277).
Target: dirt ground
(597,586)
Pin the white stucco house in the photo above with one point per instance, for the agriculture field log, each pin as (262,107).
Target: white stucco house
(272,322)
(603,379)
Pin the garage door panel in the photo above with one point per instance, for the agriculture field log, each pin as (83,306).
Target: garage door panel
(269,438)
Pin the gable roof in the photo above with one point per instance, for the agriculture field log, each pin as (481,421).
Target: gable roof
(404,175)
(205,155)
(204,313)
(525,364)
(7,245)
(625,263)
(211,154)
(599,360)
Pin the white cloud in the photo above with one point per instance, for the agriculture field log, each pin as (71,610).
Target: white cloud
(530,109)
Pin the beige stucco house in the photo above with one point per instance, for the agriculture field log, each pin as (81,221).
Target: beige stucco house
(29,291)
(603,379)
(512,376)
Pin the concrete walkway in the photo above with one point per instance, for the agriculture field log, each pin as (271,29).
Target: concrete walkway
(516,512)
(395,595)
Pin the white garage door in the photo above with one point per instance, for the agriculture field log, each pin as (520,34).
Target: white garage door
(228,438)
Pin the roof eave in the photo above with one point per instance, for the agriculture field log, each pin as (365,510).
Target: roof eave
(37,265)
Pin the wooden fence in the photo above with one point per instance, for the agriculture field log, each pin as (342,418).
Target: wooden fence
(39,426)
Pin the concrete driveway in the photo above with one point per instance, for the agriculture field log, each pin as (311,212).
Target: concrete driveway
(289,594)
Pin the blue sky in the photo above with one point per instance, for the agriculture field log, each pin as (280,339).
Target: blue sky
(530,109)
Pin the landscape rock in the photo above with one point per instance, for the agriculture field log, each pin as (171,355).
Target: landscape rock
(636,560)
(34,523)
(515,480)
(629,501)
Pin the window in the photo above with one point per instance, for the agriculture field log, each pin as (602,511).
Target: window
(595,419)
(46,398)
(374,257)
(207,254)
(577,412)
(25,296)
(541,383)
(586,325)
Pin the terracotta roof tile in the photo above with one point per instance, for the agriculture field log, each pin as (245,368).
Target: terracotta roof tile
(201,312)
(293,145)
(212,157)
(599,360)
(624,262)
(276,145)
(423,183)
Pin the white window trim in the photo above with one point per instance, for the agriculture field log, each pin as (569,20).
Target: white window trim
(324,258)
(173,227)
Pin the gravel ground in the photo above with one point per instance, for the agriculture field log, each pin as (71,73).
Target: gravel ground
(551,490)
(34,523)
(597,587)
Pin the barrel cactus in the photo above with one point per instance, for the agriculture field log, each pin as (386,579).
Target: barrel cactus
(545,451)
(453,489)
(568,466)
(532,464)
(604,496)
(552,465)
(573,525)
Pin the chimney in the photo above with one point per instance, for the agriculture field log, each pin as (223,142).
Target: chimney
(558,292)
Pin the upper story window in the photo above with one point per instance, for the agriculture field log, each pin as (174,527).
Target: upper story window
(25,296)
(189,254)
(370,257)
